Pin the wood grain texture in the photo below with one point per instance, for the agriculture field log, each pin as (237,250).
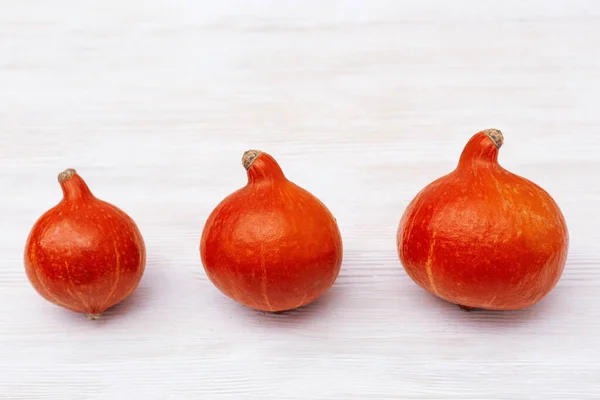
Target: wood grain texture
(362,103)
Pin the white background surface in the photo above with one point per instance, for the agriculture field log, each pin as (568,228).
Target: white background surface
(362,103)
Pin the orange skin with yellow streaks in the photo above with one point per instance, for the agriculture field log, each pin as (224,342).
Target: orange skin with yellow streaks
(84,254)
(482,237)
(271,245)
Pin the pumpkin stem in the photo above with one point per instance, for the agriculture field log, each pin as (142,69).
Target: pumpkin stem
(93,317)
(261,167)
(249,158)
(66,174)
(73,186)
(496,136)
(482,149)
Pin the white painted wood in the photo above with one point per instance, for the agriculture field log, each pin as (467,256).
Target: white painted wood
(363,103)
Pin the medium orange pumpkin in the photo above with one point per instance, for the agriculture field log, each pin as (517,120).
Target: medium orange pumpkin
(271,245)
(84,254)
(482,237)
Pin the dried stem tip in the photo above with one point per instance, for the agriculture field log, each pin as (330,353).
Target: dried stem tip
(66,174)
(93,317)
(249,158)
(496,136)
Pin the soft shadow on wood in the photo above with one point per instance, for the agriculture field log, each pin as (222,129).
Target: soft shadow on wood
(115,313)
(136,301)
(317,310)
(140,299)
(540,311)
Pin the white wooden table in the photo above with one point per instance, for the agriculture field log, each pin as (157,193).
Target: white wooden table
(363,103)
